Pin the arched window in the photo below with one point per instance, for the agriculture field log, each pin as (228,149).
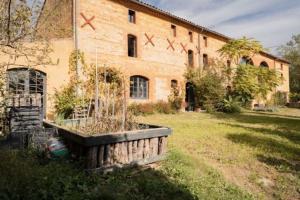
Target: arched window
(28,82)
(264,64)
(139,87)
(246,61)
(132,46)
(174,84)
(191,58)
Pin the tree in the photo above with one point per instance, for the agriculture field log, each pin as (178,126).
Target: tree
(234,50)
(21,45)
(19,42)
(291,52)
(245,83)
(252,82)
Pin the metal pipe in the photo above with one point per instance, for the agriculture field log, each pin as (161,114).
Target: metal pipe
(75,37)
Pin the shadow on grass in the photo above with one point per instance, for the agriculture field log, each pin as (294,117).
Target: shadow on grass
(284,132)
(268,145)
(280,164)
(291,124)
(274,115)
(23,176)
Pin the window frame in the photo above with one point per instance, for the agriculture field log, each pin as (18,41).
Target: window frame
(191,36)
(132,16)
(205,38)
(135,91)
(134,53)
(174,30)
(191,60)
(228,63)
(205,58)
(174,84)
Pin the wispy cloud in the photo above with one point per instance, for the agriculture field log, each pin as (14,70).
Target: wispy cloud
(272,22)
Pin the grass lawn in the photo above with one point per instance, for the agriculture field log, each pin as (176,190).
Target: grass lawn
(211,156)
(231,155)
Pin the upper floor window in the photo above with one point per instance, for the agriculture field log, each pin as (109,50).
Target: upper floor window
(139,87)
(131,16)
(205,41)
(174,32)
(132,46)
(191,36)
(264,64)
(191,58)
(246,61)
(228,63)
(205,60)
(281,66)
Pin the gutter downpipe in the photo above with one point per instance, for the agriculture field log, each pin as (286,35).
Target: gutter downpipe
(75,37)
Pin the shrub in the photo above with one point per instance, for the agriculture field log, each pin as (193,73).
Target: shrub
(175,99)
(294,97)
(279,99)
(141,109)
(229,105)
(210,91)
(64,101)
(164,107)
(150,108)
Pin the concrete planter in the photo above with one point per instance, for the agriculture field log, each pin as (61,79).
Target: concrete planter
(116,150)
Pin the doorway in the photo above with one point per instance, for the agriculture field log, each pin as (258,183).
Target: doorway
(190,97)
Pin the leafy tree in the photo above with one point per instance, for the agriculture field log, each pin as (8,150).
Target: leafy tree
(245,83)
(291,52)
(20,43)
(234,50)
(252,82)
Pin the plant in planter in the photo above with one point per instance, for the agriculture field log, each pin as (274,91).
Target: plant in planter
(108,136)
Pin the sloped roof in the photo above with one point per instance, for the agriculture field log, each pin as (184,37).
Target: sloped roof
(201,28)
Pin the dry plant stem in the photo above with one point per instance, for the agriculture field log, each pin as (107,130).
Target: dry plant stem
(113,105)
(124,106)
(107,101)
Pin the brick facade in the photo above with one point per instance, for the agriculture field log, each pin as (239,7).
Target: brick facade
(108,34)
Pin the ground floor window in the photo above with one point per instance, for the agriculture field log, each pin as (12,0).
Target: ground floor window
(27,84)
(139,87)
(174,84)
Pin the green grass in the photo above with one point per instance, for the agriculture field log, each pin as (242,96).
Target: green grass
(211,156)
(255,152)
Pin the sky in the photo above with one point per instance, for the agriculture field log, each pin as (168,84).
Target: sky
(272,22)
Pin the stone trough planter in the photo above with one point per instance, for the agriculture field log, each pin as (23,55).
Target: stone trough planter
(116,150)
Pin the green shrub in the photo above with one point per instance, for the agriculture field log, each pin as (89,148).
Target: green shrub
(141,109)
(229,105)
(150,108)
(163,107)
(175,99)
(210,91)
(278,99)
(294,97)
(65,101)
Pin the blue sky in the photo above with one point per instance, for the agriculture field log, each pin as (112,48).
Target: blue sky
(273,22)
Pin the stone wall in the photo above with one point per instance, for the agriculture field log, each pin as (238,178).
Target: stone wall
(159,64)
